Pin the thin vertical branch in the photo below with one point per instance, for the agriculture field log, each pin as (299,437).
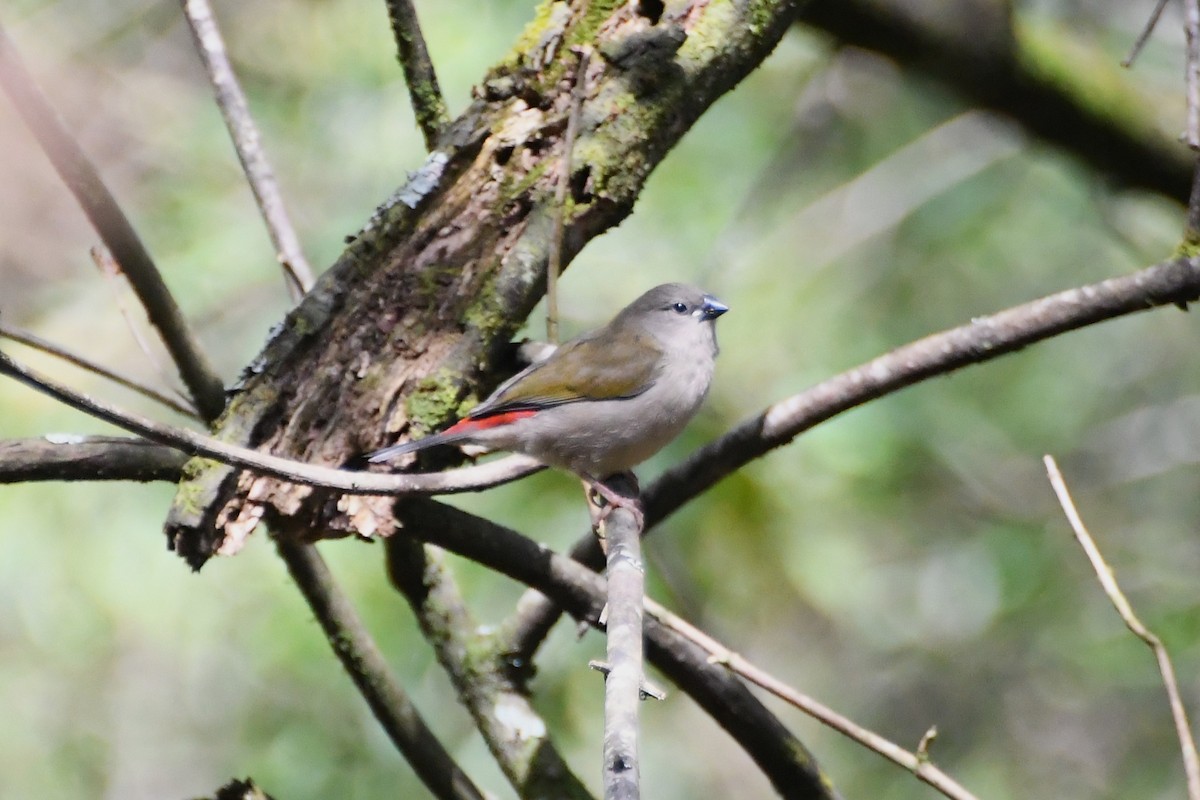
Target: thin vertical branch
(554,256)
(232,101)
(1108,581)
(1191,28)
(624,670)
(428,104)
(81,177)
(369,671)
(783,758)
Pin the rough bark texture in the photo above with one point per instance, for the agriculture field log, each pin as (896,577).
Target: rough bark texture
(410,322)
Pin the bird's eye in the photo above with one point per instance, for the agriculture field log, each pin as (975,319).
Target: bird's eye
(680,308)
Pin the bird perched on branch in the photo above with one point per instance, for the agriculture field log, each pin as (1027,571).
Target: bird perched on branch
(606,401)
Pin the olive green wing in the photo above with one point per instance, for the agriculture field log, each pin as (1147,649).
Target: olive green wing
(603,366)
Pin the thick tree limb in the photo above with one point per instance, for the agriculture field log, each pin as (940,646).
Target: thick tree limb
(115,230)
(412,320)
(62,457)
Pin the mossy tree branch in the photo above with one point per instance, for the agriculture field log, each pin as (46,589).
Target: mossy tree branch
(413,319)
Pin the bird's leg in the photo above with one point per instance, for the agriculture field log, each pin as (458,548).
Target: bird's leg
(598,489)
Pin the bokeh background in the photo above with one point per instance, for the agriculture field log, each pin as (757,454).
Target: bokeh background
(905,563)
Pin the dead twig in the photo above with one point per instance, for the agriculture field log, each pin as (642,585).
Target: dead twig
(246,141)
(1144,36)
(1108,581)
(37,343)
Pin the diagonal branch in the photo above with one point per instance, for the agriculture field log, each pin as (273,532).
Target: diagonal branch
(36,342)
(514,732)
(428,104)
(361,657)
(1108,582)
(1144,36)
(114,229)
(465,479)
(923,768)
(236,111)
(1172,282)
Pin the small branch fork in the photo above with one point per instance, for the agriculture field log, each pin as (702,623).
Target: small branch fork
(1108,582)
(246,141)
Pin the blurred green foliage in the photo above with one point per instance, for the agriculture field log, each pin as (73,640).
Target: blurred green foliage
(905,562)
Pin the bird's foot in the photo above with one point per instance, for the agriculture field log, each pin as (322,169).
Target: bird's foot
(628,499)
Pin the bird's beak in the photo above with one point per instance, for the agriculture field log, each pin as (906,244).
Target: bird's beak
(712,308)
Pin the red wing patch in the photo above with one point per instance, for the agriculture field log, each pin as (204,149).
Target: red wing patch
(470,425)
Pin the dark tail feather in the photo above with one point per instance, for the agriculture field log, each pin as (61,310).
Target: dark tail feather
(388,453)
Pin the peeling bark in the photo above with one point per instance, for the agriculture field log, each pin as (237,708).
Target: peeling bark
(411,322)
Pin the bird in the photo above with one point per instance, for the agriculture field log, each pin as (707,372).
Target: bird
(605,401)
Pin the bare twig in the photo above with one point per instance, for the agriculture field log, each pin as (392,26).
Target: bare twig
(779,754)
(1172,282)
(70,457)
(360,656)
(624,675)
(465,479)
(514,732)
(114,228)
(36,342)
(1144,36)
(1191,27)
(232,101)
(110,270)
(919,765)
(1108,581)
(554,256)
(429,106)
